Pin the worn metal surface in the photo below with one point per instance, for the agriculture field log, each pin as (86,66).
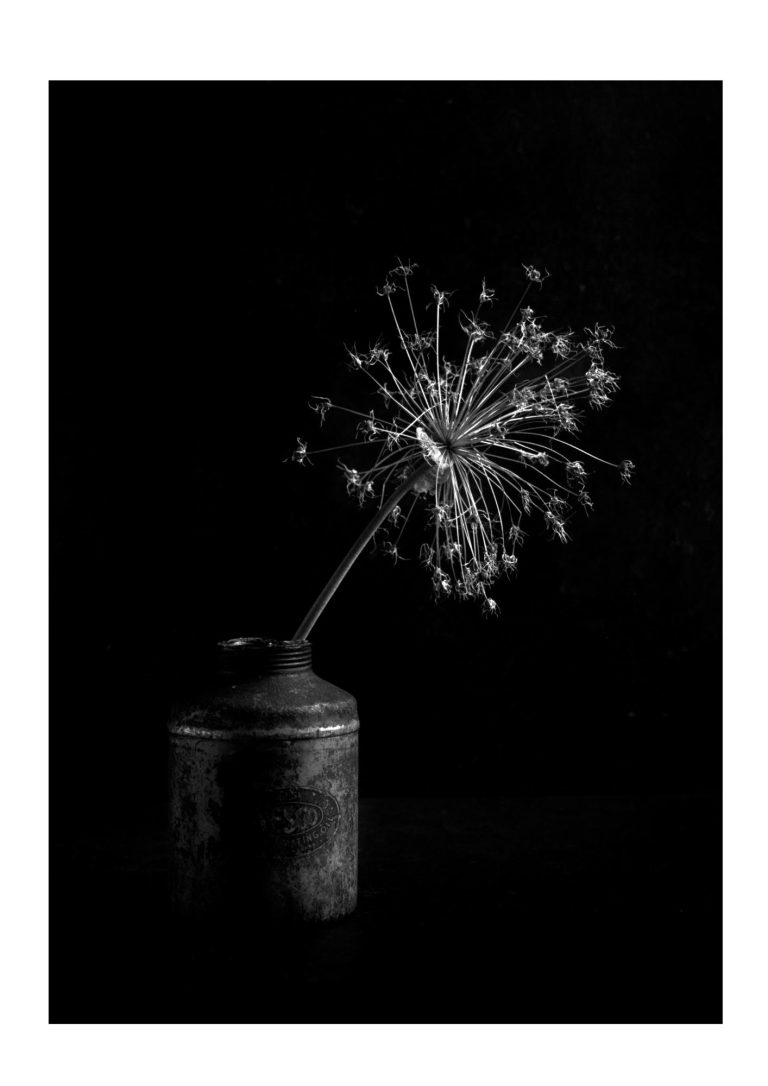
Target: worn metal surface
(264,791)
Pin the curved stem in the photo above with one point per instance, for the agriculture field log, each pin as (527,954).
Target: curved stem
(347,562)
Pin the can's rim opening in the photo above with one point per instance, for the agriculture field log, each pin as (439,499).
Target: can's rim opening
(260,643)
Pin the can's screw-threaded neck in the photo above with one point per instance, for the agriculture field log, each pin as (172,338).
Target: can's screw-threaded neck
(264,656)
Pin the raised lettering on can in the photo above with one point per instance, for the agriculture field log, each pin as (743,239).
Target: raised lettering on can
(297,821)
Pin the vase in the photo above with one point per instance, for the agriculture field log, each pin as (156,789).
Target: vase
(264,789)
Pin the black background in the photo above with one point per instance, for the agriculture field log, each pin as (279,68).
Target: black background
(214,246)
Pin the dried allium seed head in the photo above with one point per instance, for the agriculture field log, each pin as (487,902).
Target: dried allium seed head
(495,430)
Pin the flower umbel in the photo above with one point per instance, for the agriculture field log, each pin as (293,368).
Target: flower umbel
(481,441)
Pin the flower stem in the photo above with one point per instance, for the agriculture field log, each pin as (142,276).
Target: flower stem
(347,562)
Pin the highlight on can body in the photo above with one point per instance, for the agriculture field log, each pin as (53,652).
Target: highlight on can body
(473,444)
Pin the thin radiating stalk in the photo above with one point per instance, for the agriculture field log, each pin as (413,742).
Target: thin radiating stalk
(354,552)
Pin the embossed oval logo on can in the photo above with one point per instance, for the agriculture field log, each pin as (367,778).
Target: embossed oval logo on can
(296,821)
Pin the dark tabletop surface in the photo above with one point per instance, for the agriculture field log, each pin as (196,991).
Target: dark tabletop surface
(500,910)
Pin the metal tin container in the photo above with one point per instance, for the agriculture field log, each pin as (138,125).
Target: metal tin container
(264,789)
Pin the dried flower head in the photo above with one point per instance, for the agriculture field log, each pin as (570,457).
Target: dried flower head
(486,435)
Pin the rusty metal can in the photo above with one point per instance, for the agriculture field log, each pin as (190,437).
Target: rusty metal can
(264,789)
